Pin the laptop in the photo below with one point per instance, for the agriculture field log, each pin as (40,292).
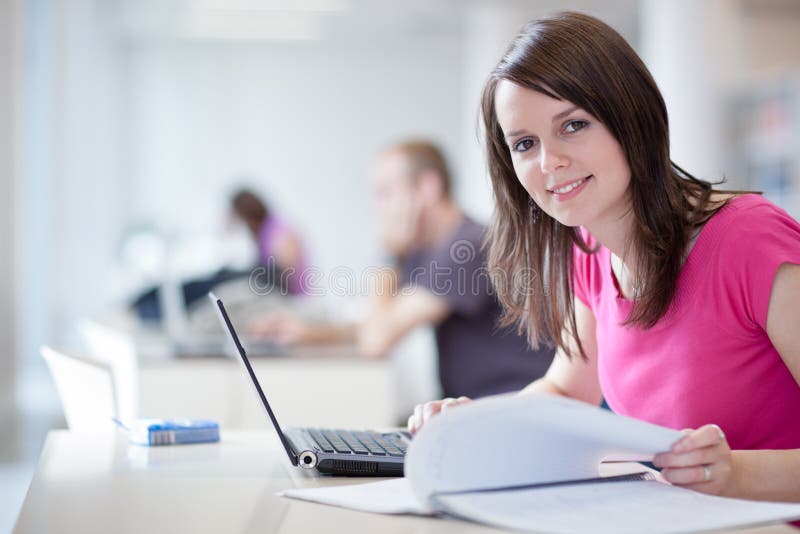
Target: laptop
(329,451)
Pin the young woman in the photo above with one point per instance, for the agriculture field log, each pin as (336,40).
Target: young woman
(277,243)
(678,304)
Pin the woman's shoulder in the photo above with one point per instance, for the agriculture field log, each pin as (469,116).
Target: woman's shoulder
(747,205)
(745,229)
(748,228)
(746,214)
(744,244)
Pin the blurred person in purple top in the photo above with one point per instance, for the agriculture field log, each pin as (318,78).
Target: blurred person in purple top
(437,277)
(278,245)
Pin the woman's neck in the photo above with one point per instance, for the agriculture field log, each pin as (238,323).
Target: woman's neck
(614,234)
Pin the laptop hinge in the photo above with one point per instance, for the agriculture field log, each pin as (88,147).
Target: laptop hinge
(295,450)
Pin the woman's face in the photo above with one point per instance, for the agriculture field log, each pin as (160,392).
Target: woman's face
(566,159)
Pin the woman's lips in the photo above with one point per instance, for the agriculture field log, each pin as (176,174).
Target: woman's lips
(570,189)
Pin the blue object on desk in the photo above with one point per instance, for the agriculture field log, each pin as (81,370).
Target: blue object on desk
(153,431)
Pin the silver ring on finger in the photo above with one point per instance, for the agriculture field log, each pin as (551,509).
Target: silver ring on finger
(706,473)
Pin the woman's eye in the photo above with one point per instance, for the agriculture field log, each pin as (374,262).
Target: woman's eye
(523,145)
(574,126)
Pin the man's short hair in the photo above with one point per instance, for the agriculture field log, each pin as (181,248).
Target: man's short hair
(425,155)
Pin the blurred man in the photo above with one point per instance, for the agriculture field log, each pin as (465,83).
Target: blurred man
(438,278)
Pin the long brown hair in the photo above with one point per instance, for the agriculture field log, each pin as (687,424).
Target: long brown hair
(575,57)
(250,209)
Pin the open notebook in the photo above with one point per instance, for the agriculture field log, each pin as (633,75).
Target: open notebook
(532,463)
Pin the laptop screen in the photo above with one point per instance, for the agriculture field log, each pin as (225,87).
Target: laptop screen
(227,325)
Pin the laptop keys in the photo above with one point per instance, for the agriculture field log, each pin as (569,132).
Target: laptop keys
(336,442)
(397,440)
(323,444)
(370,444)
(361,443)
(354,444)
(390,448)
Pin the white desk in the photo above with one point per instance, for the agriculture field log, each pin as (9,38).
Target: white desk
(338,391)
(98,483)
(321,386)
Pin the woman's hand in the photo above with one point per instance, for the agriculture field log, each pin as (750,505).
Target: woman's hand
(701,460)
(423,412)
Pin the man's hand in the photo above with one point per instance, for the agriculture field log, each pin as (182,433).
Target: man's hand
(283,328)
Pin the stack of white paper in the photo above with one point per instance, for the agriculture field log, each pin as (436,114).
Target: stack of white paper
(537,440)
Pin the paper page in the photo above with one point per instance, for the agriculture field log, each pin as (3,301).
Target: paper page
(524,439)
(383,497)
(615,507)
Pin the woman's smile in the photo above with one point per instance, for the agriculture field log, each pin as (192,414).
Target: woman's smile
(569,189)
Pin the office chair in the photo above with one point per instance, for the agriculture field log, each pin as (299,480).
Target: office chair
(85,387)
(116,348)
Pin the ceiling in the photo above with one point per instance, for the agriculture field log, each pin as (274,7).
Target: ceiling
(335,20)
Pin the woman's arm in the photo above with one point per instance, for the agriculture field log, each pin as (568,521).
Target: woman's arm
(703,461)
(783,316)
(574,377)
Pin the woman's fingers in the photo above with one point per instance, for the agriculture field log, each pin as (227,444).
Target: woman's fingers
(697,447)
(701,460)
(410,425)
(421,413)
(684,476)
(704,436)
(415,421)
(424,412)
(703,456)
(712,475)
(450,403)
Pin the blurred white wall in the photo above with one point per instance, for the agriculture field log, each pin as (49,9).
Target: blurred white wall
(10,63)
(67,207)
(300,121)
(88,182)
(690,48)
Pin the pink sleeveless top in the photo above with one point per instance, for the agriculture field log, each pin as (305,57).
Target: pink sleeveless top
(708,360)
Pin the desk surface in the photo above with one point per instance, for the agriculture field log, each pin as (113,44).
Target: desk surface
(385,390)
(91,483)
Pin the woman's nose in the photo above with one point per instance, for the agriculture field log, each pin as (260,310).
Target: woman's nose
(552,160)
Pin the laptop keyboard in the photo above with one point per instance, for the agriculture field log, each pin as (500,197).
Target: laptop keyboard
(362,443)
